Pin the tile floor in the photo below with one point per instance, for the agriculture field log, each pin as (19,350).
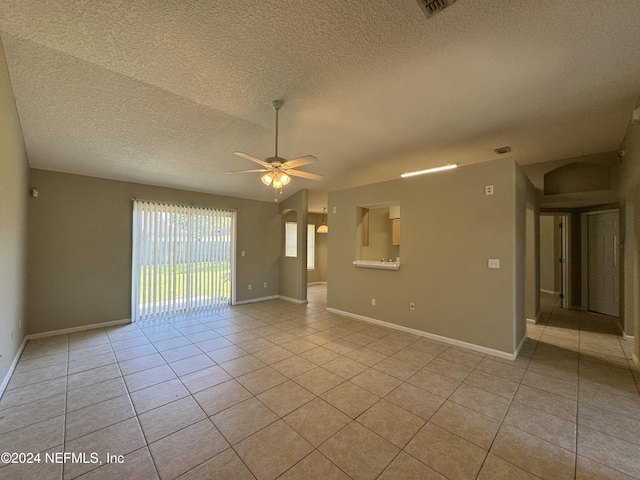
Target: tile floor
(277,390)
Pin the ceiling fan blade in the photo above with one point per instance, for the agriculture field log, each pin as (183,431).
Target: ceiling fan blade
(298,162)
(249,171)
(252,158)
(310,176)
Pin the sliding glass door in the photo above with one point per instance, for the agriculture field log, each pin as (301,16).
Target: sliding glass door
(182,259)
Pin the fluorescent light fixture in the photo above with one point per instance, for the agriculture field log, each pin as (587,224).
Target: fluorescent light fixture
(429,170)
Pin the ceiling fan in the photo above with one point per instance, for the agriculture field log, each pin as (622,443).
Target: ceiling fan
(277,170)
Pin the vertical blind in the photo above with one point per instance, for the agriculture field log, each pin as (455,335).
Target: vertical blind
(181,259)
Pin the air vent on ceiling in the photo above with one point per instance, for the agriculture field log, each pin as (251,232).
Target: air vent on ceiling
(502,150)
(431,7)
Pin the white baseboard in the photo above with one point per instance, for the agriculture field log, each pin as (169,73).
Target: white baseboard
(254,300)
(451,341)
(316,283)
(12,367)
(621,331)
(293,300)
(534,321)
(636,362)
(517,352)
(81,328)
(549,291)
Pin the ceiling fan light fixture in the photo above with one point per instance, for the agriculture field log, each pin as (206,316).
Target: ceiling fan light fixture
(267,178)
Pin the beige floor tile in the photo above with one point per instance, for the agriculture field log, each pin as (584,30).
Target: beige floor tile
(299,345)
(293,366)
(510,372)
(610,423)
(360,338)
(542,425)
(203,379)
(285,398)
(146,378)
(255,345)
(33,392)
(319,355)
(415,400)
(88,363)
(169,418)
(456,371)
(273,450)
(433,446)
(621,405)
(99,392)
(119,439)
(366,356)
(262,379)
(318,380)
(38,375)
(29,471)
(359,452)
(350,398)
(396,367)
(139,364)
(550,384)
(391,422)
(242,365)
(95,417)
(610,451)
(29,364)
(317,421)
(544,459)
(272,355)
(188,350)
(186,449)
(481,401)
(243,419)
(466,423)
(224,466)
(91,377)
(157,395)
(191,364)
(135,352)
(34,438)
(33,412)
(434,382)
(222,396)
(495,468)
(587,469)
(138,465)
(314,467)
(376,382)
(226,354)
(431,347)
(406,467)
(463,356)
(492,384)
(213,344)
(554,404)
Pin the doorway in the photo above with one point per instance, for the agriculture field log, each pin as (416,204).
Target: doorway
(603,261)
(555,256)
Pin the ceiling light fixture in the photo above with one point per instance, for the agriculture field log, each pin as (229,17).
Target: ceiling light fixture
(323,228)
(430,170)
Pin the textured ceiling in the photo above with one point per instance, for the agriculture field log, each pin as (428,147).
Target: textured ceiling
(163,92)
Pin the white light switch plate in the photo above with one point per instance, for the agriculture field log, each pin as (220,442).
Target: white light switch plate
(494,263)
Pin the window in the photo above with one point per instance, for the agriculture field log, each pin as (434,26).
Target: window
(181,259)
(290,239)
(311,247)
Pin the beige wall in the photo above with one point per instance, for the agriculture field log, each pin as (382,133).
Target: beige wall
(293,271)
(449,231)
(319,274)
(80,247)
(630,234)
(13,223)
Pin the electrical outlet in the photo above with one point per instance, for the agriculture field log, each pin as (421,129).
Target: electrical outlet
(243,253)
(250,286)
(488,190)
(373,302)
(335,209)
(265,284)
(412,306)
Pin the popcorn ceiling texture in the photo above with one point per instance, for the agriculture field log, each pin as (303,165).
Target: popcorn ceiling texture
(163,92)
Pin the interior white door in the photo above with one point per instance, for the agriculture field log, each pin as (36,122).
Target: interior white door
(603,263)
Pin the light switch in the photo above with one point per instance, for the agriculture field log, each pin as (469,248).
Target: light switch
(494,263)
